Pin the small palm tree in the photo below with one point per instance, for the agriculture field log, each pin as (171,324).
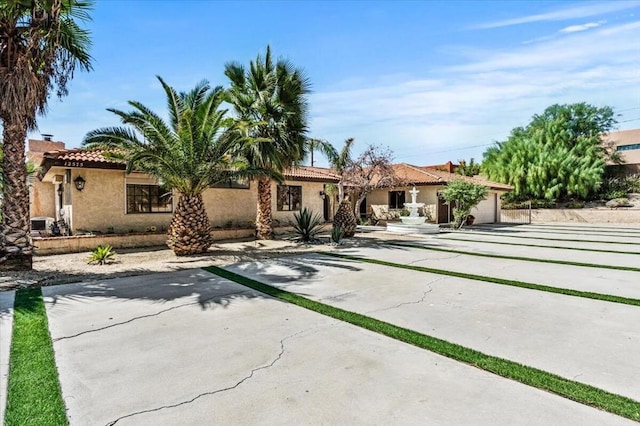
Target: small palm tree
(41,45)
(269,99)
(188,154)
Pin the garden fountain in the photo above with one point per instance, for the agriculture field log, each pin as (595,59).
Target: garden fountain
(414,223)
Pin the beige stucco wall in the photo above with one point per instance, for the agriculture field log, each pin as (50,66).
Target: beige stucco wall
(311,199)
(43,199)
(231,206)
(427,195)
(484,212)
(102,204)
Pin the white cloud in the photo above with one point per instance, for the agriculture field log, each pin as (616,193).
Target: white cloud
(448,113)
(583,27)
(577,12)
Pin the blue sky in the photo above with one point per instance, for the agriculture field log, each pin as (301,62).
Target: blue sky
(434,81)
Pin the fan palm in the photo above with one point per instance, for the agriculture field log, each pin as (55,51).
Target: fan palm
(271,113)
(41,45)
(188,154)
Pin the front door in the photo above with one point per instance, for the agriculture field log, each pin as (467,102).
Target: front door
(445,211)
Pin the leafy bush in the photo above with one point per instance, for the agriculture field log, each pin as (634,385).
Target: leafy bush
(464,196)
(405,212)
(101,255)
(336,235)
(307,225)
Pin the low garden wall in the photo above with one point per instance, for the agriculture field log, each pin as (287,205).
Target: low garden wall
(82,243)
(588,215)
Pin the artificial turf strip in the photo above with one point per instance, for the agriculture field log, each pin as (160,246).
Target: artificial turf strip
(33,394)
(502,281)
(526,259)
(500,234)
(538,245)
(573,390)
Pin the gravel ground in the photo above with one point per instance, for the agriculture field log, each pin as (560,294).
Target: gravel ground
(73,267)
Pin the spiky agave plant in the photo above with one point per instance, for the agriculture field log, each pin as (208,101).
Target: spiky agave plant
(307,225)
(101,254)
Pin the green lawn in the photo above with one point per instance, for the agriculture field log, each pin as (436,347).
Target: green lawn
(34,396)
(576,391)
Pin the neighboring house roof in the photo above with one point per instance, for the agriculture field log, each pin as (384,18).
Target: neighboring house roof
(415,175)
(95,159)
(623,137)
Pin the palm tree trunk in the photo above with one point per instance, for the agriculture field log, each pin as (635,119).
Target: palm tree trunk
(16,249)
(264,228)
(190,231)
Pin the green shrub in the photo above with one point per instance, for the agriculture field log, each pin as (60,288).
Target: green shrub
(405,212)
(336,235)
(101,255)
(307,225)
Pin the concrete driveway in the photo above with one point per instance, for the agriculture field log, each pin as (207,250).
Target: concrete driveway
(191,348)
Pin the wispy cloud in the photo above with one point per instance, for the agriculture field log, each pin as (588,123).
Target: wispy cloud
(482,99)
(583,27)
(577,12)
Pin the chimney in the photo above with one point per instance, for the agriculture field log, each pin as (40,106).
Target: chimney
(47,137)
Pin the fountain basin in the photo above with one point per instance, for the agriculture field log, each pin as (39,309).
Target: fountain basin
(412,220)
(422,228)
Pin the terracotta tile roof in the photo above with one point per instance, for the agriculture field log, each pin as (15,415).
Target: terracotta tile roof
(96,158)
(414,175)
(311,174)
(81,155)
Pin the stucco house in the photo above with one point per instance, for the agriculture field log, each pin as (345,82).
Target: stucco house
(627,144)
(92,193)
(430,180)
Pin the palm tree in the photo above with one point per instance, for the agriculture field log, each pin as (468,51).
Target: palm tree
(271,112)
(188,154)
(344,218)
(321,145)
(41,45)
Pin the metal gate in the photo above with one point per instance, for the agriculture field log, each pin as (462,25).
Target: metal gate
(522,215)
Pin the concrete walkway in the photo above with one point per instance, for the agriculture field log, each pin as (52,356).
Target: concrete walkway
(587,340)
(606,281)
(191,348)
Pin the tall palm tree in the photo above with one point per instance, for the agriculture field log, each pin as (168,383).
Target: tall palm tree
(41,45)
(344,218)
(269,99)
(320,145)
(188,154)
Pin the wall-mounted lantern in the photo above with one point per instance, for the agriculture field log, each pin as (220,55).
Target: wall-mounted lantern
(79,183)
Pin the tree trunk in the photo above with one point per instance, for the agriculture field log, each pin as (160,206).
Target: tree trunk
(16,249)
(344,219)
(264,228)
(356,209)
(190,231)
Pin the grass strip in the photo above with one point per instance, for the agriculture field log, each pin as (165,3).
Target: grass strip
(501,281)
(33,395)
(526,259)
(541,246)
(573,390)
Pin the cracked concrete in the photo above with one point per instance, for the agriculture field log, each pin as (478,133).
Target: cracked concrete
(536,328)
(257,360)
(210,393)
